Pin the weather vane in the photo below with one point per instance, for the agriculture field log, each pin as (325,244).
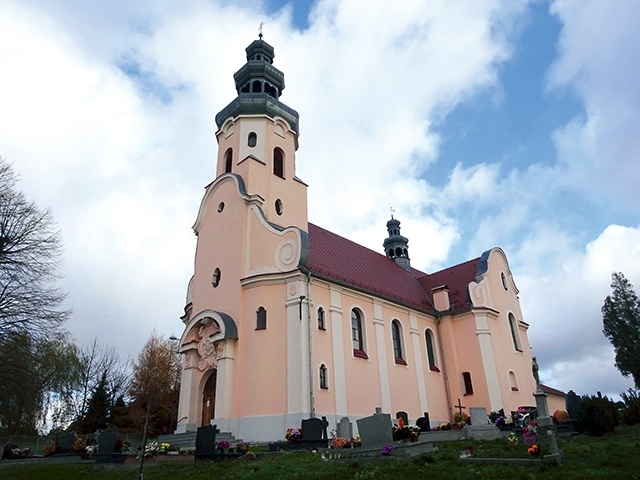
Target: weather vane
(260,30)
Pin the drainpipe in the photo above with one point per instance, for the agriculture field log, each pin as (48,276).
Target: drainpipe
(439,315)
(312,407)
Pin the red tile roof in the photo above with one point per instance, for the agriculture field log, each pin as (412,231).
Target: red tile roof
(342,261)
(551,391)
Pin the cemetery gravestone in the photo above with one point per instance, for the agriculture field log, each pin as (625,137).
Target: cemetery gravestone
(107,448)
(423,423)
(206,442)
(478,416)
(404,416)
(376,430)
(325,424)
(481,428)
(311,429)
(344,428)
(65,442)
(107,442)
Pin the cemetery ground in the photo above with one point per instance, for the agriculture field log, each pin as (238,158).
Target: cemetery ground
(614,455)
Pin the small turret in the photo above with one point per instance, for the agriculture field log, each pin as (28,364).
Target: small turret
(396,246)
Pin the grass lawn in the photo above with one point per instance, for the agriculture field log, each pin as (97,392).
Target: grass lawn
(614,455)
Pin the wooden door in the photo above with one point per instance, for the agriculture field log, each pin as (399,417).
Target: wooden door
(209,399)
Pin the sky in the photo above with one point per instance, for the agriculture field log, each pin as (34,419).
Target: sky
(482,123)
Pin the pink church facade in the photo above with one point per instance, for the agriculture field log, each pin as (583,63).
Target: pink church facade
(285,320)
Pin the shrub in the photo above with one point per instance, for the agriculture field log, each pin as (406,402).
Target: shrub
(631,414)
(596,415)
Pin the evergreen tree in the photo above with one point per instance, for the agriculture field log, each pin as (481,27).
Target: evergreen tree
(99,408)
(621,320)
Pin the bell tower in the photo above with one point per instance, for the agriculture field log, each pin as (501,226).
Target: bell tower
(258,138)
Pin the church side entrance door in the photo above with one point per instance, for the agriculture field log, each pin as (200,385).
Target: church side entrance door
(209,399)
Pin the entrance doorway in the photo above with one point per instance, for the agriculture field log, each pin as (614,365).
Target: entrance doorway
(209,399)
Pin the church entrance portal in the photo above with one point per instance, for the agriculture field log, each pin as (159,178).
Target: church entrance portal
(209,399)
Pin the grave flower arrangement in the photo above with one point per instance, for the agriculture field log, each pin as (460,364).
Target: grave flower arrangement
(79,446)
(386,450)
(151,450)
(223,445)
(242,447)
(534,450)
(293,434)
(530,434)
(51,447)
(460,418)
(338,442)
(405,432)
(512,438)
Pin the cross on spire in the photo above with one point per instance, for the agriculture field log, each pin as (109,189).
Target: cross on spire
(392,211)
(260,30)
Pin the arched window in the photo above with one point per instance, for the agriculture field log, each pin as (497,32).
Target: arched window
(431,351)
(357,334)
(396,338)
(513,326)
(261,319)
(228,160)
(468,386)
(323,377)
(321,322)
(278,162)
(278,206)
(252,139)
(256,87)
(513,381)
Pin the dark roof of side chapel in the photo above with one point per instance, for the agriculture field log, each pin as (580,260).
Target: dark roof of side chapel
(551,391)
(342,261)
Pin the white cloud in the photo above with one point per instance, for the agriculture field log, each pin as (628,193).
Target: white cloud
(122,160)
(598,53)
(562,292)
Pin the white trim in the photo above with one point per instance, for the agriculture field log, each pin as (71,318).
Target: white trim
(488,360)
(337,339)
(415,340)
(383,368)
(295,359)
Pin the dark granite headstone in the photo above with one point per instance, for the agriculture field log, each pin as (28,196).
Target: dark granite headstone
(206,442)
(404,416)
(65,442)
(423,423)
(573,403)
(107,442)
(325,425)
(311,429)
(107,448)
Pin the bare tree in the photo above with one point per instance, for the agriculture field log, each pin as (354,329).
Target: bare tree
(30,252)
(97,361)
(34,358)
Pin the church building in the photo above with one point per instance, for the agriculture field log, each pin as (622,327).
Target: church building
(285,320)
